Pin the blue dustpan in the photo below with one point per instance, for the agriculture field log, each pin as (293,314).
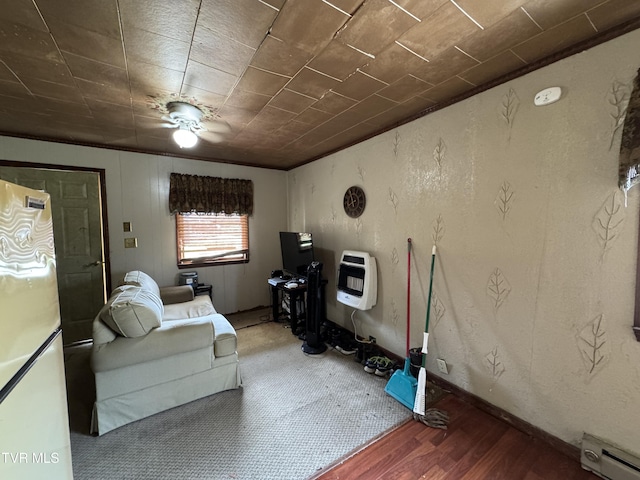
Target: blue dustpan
(403,386)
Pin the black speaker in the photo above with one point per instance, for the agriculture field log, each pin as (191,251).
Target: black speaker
(313,343)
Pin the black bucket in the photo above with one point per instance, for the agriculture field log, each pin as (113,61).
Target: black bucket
(415,356)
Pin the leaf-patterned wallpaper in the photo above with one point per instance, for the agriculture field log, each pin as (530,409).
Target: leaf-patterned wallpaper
(535,245)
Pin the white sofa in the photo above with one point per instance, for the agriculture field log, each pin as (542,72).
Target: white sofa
(154,349)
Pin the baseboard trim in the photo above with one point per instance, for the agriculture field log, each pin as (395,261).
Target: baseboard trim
(567,449)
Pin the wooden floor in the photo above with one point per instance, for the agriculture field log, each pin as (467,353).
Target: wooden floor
(475,446)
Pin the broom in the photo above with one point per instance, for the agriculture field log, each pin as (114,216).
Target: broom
(431,417)
(402,384)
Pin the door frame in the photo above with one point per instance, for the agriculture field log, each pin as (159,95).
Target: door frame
(103,201)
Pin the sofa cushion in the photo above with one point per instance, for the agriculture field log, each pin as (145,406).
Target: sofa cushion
(141,279)
(200,306)
(172,338)
(132,311)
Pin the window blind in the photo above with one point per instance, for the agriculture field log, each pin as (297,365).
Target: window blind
(203,239)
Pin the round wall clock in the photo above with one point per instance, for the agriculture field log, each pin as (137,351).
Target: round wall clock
(354,201)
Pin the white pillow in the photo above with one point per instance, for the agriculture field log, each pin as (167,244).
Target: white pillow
(141,279)
(132,311)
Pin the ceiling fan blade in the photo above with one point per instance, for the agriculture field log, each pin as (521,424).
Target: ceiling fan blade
(211,137)
(170,119)
(169,125)
(217,126)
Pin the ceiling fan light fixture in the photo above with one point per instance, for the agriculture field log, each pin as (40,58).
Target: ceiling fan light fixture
(185,138)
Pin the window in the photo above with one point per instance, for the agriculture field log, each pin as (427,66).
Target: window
(212,239)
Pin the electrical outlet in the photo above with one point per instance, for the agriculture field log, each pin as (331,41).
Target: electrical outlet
(442,366)
(372,339)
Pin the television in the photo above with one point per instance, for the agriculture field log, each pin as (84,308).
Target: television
(297,252)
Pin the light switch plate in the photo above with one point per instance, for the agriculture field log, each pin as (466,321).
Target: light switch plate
(547,96)
(126,226)
(131,242)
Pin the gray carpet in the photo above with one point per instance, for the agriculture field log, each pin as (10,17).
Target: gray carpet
(295,415)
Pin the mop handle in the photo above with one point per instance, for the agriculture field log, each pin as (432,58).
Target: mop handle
(426,326)
(408,293)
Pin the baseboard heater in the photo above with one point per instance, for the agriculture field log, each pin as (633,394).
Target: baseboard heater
(607,461)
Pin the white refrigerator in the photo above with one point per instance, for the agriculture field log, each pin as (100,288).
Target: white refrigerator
(34,424)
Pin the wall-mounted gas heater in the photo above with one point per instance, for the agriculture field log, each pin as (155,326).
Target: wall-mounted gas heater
(607,461)
(357,280)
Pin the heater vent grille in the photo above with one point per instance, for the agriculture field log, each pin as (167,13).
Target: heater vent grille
(607,461)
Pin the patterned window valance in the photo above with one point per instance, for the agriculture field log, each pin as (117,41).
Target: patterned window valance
(193,193)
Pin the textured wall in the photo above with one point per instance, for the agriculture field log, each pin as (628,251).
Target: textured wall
(534,285)
(138,192)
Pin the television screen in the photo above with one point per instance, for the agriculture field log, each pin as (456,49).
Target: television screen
(297,252)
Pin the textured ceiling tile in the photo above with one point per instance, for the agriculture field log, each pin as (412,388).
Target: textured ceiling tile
(51,105)
(236,116)
(404,89)
(53,90)
(370,107)
(245,21)
(493,68)
(210,79)
(511,30)
(308,25)
(148,47)
(291,101)
(13,89)
(349,6)
(451,88)
(22,12)
(87,69)
(165,17)
(312,116)
(375,25)
(294,130)
(421,8)
(346,136)
(220,52)
(86,43)
(333,103)
(212,100)
(549,13)
(444,29)
(276,4)
(117,116)
(312,83)
(555,39)
(338,61)
(22,40)
(151,143)
(613,13)
(99,16)
(446,65)
(6,74)
(278,56)
(262,82)
(392,64)
(488,12)
(253,102)
(359,86)
(29,67)
(112,94)
(151,79)
(400,112)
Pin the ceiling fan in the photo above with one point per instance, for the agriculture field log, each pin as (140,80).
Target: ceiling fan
(188,120)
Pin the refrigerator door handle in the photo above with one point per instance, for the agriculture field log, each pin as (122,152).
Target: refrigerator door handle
(13,381)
